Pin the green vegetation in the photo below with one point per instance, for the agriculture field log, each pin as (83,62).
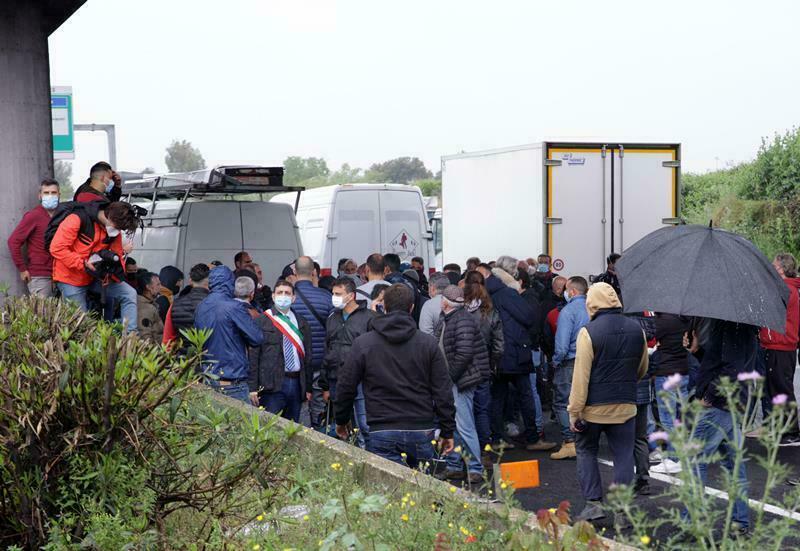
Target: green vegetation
(759,199)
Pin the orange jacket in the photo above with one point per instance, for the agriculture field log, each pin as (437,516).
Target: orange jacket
(70,250)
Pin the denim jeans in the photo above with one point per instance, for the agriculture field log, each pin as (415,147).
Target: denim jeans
(360,408)
(416,444)
(466,436)
(537,401)
(587,443)
(562,383)
(669,404)
(716,431)
(238,391)
(481,403)
(286,401)
(122,292)
(499,392)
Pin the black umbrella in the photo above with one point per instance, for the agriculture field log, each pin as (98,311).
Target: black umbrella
(703,271)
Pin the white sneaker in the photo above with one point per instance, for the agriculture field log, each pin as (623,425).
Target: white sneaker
(656,456)
(668,466)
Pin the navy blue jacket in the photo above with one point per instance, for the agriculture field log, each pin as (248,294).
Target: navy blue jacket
(617,343)
(233,329)
(518,317)
(320,299)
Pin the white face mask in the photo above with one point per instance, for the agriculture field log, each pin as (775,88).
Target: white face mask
(112,231)
(338,302)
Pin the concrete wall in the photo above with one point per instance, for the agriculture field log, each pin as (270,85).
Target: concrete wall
(26,150)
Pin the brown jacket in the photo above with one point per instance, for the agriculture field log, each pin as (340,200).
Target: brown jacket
(149,322)
(600,296)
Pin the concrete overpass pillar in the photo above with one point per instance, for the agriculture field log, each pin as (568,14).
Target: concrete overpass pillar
(26,140)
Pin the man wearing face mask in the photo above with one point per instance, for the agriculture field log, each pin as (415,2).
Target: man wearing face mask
(36,271)
(544,275)
(349,320)
(79,240)
(150,325)
(103,185)
(280,376)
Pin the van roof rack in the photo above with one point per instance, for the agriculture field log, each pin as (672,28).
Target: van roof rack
(225,180)
(220,180)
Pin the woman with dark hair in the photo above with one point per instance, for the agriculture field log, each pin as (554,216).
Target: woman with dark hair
(171,284)
(479,303)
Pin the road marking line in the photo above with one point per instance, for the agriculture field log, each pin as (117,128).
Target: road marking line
(718,493)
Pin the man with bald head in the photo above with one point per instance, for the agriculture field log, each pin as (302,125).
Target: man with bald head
(314,305)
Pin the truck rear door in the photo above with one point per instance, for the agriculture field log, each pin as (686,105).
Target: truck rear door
(602,198)
(404,225)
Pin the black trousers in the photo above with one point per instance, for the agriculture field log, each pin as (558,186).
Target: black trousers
(641,451)
(780,366)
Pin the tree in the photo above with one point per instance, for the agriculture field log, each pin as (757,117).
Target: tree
(430,187)
(62,172)
(401,170)
(148,170)
(182,157)
(297,170)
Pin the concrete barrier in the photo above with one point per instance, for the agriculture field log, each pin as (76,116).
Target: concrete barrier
(377,471)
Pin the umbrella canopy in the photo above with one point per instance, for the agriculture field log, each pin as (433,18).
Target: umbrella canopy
(705,272)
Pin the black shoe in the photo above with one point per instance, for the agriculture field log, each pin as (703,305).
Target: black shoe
(456,475)
(790,440)
(642,488)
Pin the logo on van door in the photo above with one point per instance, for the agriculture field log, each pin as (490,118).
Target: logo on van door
(572,159)
(404,245)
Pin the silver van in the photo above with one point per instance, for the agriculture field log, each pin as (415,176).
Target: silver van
(212,215)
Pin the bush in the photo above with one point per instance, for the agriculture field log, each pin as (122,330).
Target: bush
(101,439)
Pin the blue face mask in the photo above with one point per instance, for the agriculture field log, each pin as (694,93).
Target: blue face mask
(50,202)
(567,296)
(109,186)
(283,302)
(543,268)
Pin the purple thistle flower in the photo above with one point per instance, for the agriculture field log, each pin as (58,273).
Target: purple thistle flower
(748,376)
(779,400)
(673,381)
(658,436)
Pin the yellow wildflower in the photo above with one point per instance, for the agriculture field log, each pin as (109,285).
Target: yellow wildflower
(449,524)
(336,466)
(305,517)
(464,530)
(466,506)
(503,485)
(645,540)
(552,509)
(457,449)
(487,448)
(404,518)
(452,489)
(412,503)
(349,463)
(405,499)
(403,455)
(259,518)
(433,442)
(256,547)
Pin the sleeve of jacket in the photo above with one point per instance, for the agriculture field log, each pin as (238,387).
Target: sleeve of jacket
(563,333)
(584,356)
(169,329)
(498,340)
(63,242)
(249,328)
(115,194)
(464,336)
(427,318)
(442,389)
(254,375)
(323,372)
(644,362)
(305,329)
(350,376)
(18,238)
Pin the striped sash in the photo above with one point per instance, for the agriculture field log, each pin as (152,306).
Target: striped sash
(289,330)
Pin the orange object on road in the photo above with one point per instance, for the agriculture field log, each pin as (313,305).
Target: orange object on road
(520,474)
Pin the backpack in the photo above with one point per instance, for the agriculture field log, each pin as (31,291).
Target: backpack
(87,212)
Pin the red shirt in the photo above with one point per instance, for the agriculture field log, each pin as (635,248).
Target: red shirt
(772,340)
(89,196)
(30,232)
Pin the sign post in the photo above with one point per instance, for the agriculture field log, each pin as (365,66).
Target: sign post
(63,130)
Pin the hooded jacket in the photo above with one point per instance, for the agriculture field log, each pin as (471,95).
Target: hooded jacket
(320,300)
(268,361)
(181,314)
(492,332)
(233,328)
(607,363)
(772,340)
(517,317)
(71,248)
(340,334)
(464,349)
(403,374)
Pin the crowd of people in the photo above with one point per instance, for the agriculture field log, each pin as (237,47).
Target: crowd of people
(439,371)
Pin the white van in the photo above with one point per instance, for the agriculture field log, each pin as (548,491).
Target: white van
(189,221)
(356,220)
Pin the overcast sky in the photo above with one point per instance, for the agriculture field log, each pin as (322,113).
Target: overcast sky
(362,81)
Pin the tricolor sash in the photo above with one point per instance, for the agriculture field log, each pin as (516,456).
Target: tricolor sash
(289,330)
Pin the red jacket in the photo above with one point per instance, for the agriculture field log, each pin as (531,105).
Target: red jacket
(30,232)
(772,340)
(70,250)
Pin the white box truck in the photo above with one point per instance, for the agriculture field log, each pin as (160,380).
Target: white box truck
(576,201)
(356,220)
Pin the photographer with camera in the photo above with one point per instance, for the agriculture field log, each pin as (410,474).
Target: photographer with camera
(87,253)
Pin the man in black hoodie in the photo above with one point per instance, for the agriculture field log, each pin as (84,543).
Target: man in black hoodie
(406,385)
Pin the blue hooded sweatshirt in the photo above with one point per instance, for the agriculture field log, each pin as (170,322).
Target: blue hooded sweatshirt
(233,329)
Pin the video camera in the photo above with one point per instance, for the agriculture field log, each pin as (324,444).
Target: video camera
(107,266)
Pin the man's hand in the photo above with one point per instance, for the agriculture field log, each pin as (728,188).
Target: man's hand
(89,266)
(254,398)
(127,247)
(117,178)
(343,431)
(326,395)
(705,403)
(445,445)
(308,396)
(572,426)
(25,276)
